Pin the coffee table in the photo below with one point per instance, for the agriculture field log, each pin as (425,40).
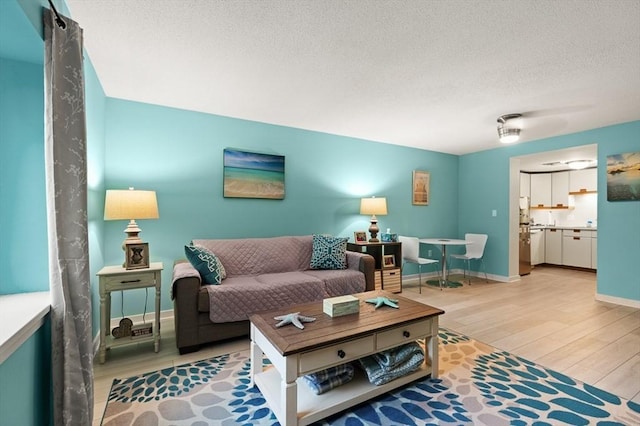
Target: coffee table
(329,341)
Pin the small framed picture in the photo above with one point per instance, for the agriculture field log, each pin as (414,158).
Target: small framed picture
(360,237)
(420,194)
(389,261)
(137,256)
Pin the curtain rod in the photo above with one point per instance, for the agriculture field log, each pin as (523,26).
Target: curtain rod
(59,20)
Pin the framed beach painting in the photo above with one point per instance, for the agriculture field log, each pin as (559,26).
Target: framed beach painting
(253,175)
(623,177)
(420,194)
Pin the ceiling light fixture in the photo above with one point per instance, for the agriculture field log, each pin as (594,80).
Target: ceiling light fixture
(508,134)
(578,164)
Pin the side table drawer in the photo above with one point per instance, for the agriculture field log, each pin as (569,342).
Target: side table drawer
(115,281)
(326,357)
(403,334)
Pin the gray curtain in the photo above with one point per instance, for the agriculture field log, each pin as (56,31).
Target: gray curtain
(66,173)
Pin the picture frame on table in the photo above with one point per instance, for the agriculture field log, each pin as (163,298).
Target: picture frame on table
(136,256)
(389,261)
(420,193)
(360,237)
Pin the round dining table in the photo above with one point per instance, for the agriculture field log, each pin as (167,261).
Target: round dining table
(444,242)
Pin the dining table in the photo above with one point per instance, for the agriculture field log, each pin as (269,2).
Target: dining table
(443,243)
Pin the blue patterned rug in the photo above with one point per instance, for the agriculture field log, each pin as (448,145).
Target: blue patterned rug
(478,385)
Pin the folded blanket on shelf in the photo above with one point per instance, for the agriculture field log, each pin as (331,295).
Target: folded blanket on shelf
(325,380)
(388,365)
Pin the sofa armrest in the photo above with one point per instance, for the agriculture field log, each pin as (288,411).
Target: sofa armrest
(185,288)
(364,263)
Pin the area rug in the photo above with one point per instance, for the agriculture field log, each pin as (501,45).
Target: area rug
(478,385)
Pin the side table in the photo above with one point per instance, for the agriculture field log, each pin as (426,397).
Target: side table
(117,278)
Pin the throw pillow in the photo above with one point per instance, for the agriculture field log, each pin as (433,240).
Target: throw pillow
(329,252)
(205,262)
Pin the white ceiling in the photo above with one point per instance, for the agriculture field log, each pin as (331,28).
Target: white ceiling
(427,74)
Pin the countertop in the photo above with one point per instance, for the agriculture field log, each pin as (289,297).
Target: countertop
(582,228)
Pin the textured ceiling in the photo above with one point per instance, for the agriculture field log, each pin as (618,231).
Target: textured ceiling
(427,74)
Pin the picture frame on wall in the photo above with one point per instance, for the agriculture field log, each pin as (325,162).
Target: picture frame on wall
(420,188)
(360,237)
(623,177)
(389,261)
(252,175)
(136,256)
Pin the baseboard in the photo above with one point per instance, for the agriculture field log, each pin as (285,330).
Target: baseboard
(136,319)
(618,300)
(413,278)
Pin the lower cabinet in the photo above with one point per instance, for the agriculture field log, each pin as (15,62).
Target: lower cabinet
(594,250)
(553,246)
(537,248)
(577,248)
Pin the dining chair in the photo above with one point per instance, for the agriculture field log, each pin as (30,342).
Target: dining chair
(411,254)
(474,251)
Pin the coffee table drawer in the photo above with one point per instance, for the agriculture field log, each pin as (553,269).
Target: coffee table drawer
(325,357)
(403,334)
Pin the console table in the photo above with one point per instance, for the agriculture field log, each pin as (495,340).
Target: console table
(329,341)
(117,278)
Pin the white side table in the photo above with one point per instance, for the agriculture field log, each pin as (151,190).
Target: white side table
(116,278)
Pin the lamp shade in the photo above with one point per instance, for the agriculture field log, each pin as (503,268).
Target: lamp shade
(373,206)
(130,204)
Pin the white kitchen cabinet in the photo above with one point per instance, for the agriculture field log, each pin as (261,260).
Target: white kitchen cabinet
(540,189)
(525,185)
(583,181)
(537,247)
(594,250)
(553,246)
(576,248)
(560,189)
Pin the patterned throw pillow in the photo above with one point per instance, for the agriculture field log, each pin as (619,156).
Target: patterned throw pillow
(206,263)
(329,252)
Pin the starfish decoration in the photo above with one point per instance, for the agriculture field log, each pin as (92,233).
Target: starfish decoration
(293,318)
(380,301)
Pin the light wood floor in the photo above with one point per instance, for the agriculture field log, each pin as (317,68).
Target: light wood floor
(549,317)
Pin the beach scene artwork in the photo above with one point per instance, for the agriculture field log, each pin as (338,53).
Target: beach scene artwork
(623,177)
(253,175)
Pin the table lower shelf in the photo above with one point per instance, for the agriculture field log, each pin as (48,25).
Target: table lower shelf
(312,407)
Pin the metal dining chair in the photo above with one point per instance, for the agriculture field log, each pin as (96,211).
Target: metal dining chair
(474,251)
(411,254)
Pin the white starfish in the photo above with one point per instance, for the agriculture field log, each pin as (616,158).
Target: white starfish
(293,318)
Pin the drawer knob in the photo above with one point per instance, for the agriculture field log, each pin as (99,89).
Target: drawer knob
(406,334)
(341,353)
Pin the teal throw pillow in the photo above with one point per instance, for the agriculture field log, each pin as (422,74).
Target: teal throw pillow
(329,252)
(206,263)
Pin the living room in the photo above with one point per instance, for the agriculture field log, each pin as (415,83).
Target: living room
(178,154)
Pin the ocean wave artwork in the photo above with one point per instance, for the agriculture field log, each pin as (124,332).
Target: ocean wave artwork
(253,175)
(623,177)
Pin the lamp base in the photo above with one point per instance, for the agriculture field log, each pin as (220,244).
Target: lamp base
(373,230)
(132,230)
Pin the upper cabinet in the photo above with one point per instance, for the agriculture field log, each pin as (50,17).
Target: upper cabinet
(560,189)
(583,181)
(525,185)
(541,190)
(550,190)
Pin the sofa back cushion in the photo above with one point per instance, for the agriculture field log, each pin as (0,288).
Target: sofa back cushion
(254,256)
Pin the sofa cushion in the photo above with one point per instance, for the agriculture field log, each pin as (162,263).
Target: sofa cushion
(205,262)
(340,282)
(237,298)
(329,252)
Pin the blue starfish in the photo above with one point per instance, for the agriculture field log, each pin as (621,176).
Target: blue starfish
(293,318)
(380,300)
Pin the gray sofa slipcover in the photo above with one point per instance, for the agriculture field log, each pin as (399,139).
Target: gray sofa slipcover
(261,274)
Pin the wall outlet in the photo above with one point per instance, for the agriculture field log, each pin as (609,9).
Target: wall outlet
(429,253)
(494,213)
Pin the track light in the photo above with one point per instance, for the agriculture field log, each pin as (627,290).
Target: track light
(508,134)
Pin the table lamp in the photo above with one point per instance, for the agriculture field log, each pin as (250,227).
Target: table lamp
(130,204)
(373,206)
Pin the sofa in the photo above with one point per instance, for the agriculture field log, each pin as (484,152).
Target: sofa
(259,274)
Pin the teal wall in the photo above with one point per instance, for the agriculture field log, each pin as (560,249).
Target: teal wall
(25,382)
(484,186)
(23,218)
(179,154)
